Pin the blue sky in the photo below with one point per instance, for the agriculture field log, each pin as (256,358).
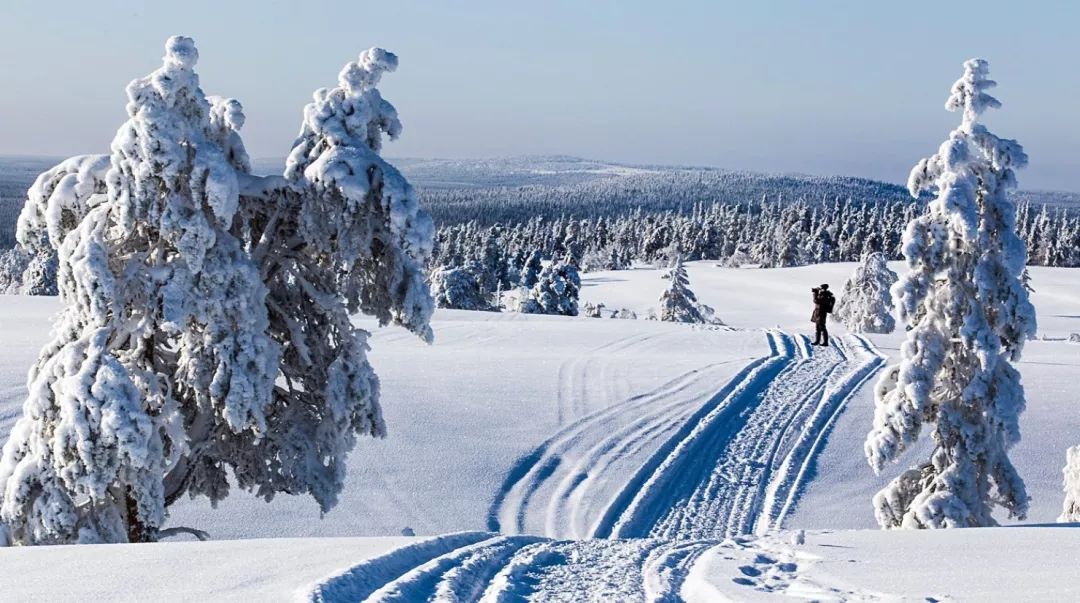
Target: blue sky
(823,87)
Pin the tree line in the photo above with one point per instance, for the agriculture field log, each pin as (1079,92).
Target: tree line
(768,232)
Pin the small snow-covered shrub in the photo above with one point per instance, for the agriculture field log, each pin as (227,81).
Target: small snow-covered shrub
(625,314)
(591,310)
(1071,508)
(741,257)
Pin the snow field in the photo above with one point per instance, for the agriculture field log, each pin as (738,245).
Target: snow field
(497,388)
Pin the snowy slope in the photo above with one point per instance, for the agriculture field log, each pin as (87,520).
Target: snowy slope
(227,570)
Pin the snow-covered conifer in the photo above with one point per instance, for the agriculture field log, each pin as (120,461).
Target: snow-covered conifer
(344,234)
(866,304)
(969,316)
(1070,511)
(678,303)
(13,263)
(531,272)
(165,323)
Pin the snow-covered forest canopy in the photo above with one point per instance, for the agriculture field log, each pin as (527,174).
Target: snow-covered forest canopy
(515,193)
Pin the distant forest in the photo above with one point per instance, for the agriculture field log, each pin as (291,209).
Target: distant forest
(467,196)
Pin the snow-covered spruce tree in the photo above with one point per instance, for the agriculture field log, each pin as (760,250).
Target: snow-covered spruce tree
(678,303)
(164,315)
(196,295)
(1070,511)
(866,305)
(555,292)
(969,316)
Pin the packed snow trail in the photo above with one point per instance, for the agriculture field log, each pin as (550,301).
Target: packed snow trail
(564,486)
(491,568)
(774,412)
(741,468)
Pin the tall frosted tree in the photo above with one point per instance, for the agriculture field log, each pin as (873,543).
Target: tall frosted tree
(205,340)
(866,304)
(969,316)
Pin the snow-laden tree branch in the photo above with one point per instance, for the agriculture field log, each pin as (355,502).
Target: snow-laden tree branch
(969,316)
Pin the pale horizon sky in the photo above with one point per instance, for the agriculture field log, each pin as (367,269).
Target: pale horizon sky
(831,87)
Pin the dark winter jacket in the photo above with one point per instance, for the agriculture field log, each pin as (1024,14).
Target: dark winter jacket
(823,305)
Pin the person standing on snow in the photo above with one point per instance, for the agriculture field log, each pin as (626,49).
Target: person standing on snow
(823,306)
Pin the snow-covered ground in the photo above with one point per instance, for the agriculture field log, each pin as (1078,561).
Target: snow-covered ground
(576,427)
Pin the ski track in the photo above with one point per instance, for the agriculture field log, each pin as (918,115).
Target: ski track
(574,397)
(741,468)
(492,568)
(552,489)
(723,466)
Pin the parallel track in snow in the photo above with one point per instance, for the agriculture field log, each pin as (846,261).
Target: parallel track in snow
(493,568)
(740,469)
(558,489)
(721,466)
(728,463)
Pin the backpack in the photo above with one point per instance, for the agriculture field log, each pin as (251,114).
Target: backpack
(828,300)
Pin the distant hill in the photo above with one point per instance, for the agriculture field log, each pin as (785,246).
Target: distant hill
(514,188)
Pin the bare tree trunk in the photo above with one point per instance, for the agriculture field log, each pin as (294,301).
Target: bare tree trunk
(136,528)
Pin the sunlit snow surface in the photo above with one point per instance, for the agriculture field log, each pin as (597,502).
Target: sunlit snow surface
(471,417)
